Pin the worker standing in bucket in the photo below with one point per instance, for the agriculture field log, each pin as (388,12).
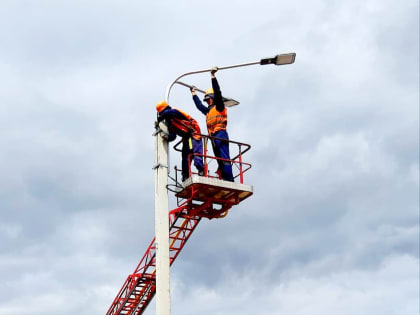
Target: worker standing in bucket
(216,119)
(181,124)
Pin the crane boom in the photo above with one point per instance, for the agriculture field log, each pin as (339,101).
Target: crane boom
(139,288)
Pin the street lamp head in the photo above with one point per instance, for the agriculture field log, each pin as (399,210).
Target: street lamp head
(229,102)
(283,59)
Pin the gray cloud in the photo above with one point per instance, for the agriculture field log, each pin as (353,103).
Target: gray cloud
(333,223)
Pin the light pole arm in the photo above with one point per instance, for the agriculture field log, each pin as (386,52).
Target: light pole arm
(190,86)
(229,102)
(168,89)
(276,60)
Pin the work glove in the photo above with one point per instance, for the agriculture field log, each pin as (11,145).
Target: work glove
(214,70)
(193,89)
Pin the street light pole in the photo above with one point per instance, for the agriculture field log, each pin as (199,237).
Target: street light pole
(163,297)
(161,193)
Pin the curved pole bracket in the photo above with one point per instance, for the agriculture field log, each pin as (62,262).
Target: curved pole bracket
(277,60)
(229,102)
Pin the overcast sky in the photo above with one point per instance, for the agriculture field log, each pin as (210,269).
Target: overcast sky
(333,225)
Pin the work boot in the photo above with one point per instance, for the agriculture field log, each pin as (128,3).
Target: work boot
(201,173)
(184,177)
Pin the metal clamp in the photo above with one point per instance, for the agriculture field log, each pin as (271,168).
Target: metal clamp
(159,165)
(165,135)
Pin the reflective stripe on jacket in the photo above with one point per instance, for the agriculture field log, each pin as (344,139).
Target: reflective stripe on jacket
(216,120)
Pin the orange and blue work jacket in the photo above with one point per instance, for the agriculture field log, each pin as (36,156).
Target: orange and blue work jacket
(180,123)
(216,114)
(216,120)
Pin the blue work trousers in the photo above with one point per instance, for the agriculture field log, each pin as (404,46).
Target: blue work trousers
(221,150)
(190,146)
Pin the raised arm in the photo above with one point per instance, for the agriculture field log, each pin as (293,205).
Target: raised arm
(218,100)
(198,103)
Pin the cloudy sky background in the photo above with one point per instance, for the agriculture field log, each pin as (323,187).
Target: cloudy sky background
(333,226)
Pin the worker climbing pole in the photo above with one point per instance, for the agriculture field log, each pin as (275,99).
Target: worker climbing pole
(200,195)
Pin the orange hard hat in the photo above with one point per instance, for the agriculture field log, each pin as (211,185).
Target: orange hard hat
(161,106)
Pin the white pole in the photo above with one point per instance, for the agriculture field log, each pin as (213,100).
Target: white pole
(163,298)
